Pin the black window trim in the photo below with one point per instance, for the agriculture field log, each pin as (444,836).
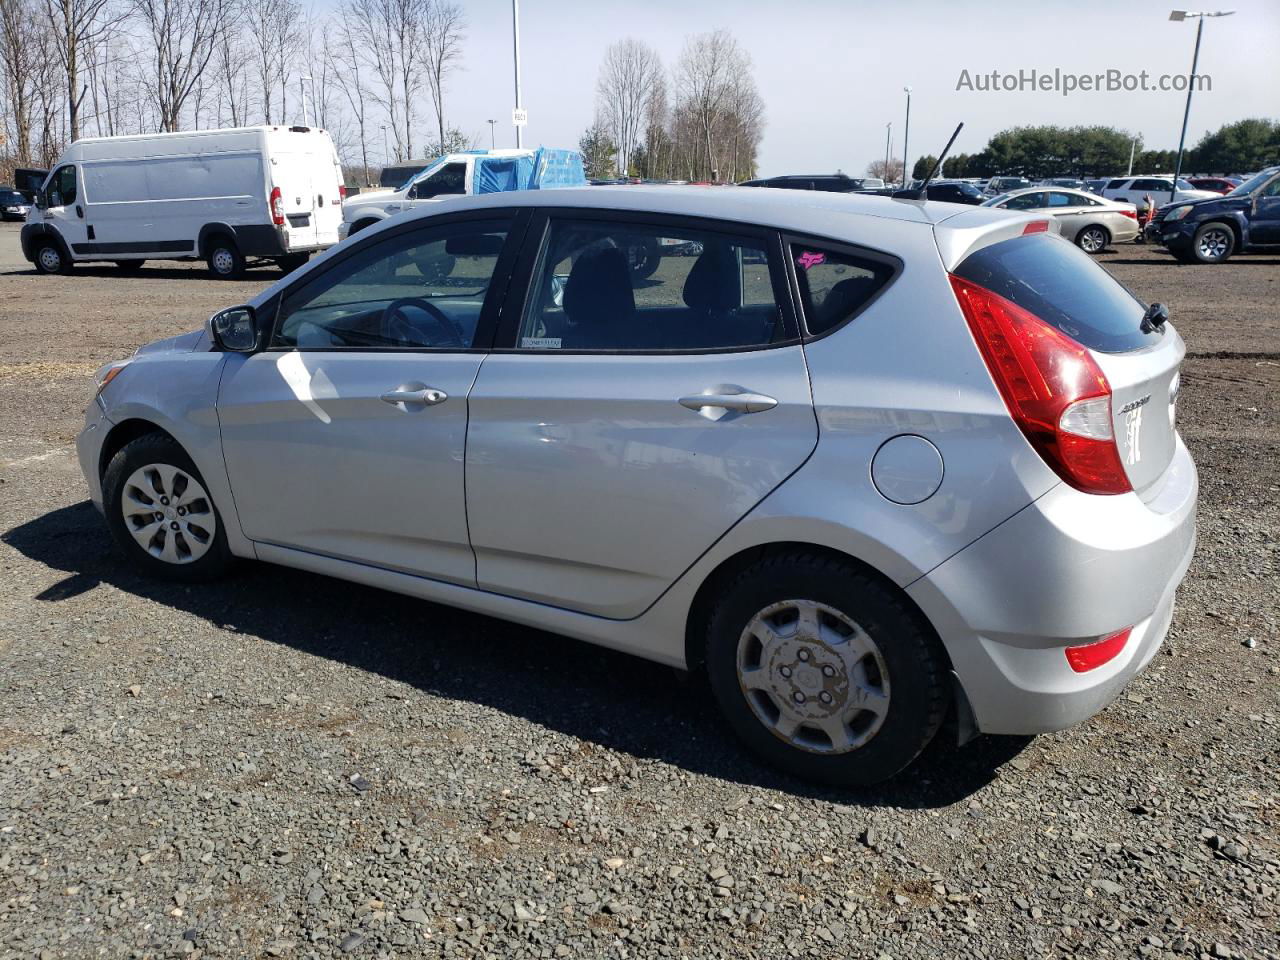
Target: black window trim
(518,219)
(790,239)
(536,238)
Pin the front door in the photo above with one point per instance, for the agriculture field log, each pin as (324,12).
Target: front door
(633,417)
(345,437)
(64,210)
(1264,225)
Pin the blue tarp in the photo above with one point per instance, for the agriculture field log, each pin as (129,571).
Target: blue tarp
(544,169)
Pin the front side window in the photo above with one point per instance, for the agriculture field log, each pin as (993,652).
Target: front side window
(62,187)
(449,179)
(635,287)
(422,289)
(835,285)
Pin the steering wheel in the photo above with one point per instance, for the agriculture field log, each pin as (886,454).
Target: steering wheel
(397,328)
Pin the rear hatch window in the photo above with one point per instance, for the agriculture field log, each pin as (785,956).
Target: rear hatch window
(1061,285)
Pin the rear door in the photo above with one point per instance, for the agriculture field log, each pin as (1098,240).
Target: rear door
(292,170)
(625,423)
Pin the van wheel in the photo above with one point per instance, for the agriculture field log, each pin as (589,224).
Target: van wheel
(129,266)
(1213,243)
(1093,239)
(225,261)
(50,259)
(160,512)
(824,671)
(292,262)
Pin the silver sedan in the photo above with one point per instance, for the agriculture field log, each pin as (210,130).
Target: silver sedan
(1088,221)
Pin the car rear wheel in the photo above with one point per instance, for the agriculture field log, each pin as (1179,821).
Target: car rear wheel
(1214,242)
(1093,240)
(824,671)
(160,512)
(225,261)
(50,259)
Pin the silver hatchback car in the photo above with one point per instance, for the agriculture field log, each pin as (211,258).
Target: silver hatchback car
(862,461)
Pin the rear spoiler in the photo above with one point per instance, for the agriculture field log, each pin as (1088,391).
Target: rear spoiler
(978,227)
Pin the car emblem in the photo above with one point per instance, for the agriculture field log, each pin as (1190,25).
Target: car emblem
(1133,431)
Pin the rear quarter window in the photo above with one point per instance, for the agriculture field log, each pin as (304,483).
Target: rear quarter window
(1061,285)
(835,285)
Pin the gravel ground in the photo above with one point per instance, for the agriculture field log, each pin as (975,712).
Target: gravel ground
(284,765)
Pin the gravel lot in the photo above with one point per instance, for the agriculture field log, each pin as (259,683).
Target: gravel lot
(283,765)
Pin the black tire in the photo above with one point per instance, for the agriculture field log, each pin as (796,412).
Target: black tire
(225,260)
(1093,239)
(51,258)
(1214,243)
(292,262)
(158,448)
(918,687)
(360,225)
(643,256)
(129,266)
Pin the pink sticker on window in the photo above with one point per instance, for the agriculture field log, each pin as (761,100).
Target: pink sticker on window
(811,259)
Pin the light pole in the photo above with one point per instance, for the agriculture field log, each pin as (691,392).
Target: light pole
(1178,16)
(906,133)
(386,152)
(888,133)
(515,33)
(1133,145)
(492,141)
(303,93)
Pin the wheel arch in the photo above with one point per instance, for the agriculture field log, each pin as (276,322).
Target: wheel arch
(124,433)
(704,598)
(363,223)
(211,231)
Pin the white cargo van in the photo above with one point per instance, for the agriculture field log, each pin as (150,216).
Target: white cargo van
(229,197)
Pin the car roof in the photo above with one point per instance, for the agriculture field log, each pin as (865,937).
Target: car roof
(808,211)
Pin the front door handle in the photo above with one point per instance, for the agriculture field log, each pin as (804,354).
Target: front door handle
(424,397)
(736,402)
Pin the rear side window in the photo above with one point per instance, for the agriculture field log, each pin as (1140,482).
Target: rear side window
(1061,285)
(835,285)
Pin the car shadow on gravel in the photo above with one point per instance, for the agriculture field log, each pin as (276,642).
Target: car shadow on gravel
(597,695)
(197,271)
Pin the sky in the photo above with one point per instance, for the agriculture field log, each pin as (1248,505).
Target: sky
(832,73)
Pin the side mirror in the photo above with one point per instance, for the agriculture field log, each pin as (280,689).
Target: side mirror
(39,200)
(235,329)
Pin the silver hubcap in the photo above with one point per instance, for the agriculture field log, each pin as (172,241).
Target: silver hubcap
(1092,241)
(223,261)
(1213,244)
(813,677)
(169,513)
(50,259)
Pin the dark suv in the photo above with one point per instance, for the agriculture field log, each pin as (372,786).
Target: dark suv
(1211,230)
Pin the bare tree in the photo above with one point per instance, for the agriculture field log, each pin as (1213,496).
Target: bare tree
(273,28)
(374,20)
(344,59)
(77,25)
(445,24)
(231,63)
(886,172)
(17,50)
(628,75)
(705,76)
(181,37)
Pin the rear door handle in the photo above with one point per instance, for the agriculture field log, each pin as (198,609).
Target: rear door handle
(426,397)
(737,402)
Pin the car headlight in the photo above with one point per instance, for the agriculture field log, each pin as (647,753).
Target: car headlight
(107,373)
(1179,212)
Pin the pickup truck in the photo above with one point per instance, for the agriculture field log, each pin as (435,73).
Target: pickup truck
(1212,229)
(468,172)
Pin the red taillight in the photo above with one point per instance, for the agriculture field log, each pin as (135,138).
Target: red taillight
(1131,213)
(277,207)
(342,192)
(1036,226)
(1054,390)
(1090,656)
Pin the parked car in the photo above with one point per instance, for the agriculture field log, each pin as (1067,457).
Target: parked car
(467,172)
(954,191)
(1004,184)
(273,193)
(1071,183)
(1096,186)
(13,205)
(1134,189)
(1211,230)
(736,468)
(1089,222)
(28,181)
(1218,185)
(829,182)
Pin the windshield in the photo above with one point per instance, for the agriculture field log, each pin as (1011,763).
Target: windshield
(424,173)
(1252,184)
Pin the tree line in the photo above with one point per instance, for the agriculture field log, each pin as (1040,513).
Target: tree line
(702,120)
(1096,151)
(73,68)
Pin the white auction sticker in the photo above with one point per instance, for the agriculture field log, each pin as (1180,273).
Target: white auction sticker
(540,343)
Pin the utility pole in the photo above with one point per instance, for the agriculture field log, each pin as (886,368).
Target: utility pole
(302,95)
(493,143)
(1178,16)
(888,133)
(515,32)
(1133,145)
(906,134)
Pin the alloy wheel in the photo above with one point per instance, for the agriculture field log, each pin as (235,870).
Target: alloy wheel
(1213,244)
(1092,240)
(813,677)
(169,513)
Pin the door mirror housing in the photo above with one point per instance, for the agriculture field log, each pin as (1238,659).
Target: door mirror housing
(235,329)
(38,200)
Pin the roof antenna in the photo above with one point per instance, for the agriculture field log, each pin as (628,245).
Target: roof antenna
(918,193)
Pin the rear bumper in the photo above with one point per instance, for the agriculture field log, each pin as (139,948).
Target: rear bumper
(1066,570)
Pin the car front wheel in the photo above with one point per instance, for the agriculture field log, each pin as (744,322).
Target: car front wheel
(1214,242)
(50,259)
(823,670)
(160,512)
